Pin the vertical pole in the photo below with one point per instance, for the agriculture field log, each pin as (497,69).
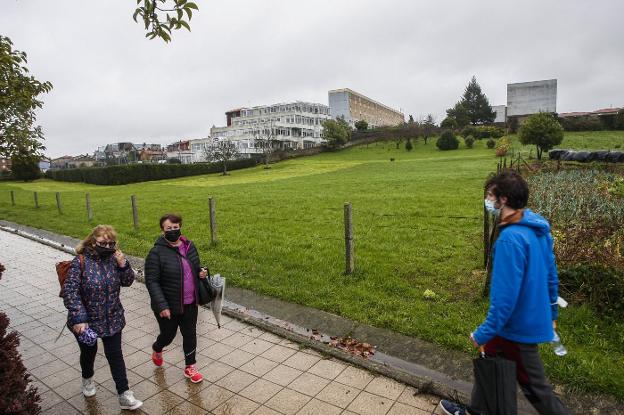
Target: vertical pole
(213,220)
(349,248)
(89,211)
(36,197)
(135,213)
(58,203)
(12,198)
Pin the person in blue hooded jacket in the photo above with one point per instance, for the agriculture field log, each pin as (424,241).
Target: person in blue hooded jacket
(523,295)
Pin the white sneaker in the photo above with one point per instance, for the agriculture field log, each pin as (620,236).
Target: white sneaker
(88,387)
(128,401)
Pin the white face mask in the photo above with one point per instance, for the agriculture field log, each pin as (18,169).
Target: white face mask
(489,206)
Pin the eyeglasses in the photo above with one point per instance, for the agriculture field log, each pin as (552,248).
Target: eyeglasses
(110,244)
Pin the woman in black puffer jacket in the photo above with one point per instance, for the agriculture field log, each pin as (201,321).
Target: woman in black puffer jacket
(172,270)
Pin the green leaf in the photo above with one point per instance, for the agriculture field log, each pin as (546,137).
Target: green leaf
(136,13)
(191,5)
(180,14)
(183,23)
(189,13)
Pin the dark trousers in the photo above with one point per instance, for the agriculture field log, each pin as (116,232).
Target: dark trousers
(114,355)
(530,375)
(187,322)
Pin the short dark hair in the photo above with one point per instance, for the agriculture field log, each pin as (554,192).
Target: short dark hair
(511,185)
(172,217)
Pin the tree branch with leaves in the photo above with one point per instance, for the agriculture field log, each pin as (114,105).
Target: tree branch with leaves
(222,151)
(19,93)
(161,17)
(265,138)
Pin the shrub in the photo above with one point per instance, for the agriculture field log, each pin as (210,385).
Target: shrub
(174,161)
(361,125)
(408,145)
(469,131)
(582,124)
(447,141)
(16,395)
(469,141)
(484,133)
(502,147)
(134,173)
(25,167)
(601,287)
(491,143)
(498,132)
(543,131)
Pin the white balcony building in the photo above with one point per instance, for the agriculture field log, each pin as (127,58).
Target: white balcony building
(295,125)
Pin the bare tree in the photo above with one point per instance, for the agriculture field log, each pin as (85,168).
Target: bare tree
(221,151)
(266,139)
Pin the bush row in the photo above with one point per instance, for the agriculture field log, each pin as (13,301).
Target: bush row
(599,286)
(482,131)
(589,123)
(134,173)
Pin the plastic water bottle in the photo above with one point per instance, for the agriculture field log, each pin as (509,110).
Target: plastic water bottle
(558,347)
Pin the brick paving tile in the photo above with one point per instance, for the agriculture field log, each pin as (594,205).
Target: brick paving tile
(261,390)
(385,387)
(287,401)
(369,404)
(338,394)
(315,407)
(246,369)
(237,405)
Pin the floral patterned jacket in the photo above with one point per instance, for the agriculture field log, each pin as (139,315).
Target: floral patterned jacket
(93,298)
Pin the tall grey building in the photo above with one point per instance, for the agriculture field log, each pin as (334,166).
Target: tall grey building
(526,98)
(354,107)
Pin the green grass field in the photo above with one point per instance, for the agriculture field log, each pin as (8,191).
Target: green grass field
(417,223)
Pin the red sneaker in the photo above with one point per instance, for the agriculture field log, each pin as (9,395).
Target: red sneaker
(192,373)
(157,358)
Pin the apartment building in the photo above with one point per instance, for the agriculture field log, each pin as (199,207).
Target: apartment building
(354,107)
(294,125)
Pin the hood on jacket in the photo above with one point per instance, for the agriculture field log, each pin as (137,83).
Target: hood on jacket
(532,220)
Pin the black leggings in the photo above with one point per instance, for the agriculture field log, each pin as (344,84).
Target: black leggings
(114,355)
(187,322)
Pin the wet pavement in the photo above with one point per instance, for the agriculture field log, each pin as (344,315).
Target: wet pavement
(247,370)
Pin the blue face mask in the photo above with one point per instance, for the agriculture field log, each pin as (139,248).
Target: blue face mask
(489,206)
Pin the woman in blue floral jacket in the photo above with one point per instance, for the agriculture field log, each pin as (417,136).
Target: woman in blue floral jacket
(91,296)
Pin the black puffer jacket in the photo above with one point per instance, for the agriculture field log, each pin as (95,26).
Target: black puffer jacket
(164,275)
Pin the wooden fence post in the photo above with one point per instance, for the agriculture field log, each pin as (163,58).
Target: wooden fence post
(135,213)
(349,248)
(213,220)
(89,211)
(59,205)
(12,198)
(36,197)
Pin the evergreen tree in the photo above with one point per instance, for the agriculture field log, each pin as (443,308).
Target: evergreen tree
(477,106)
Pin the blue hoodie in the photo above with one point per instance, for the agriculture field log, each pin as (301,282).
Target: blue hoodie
(524,287)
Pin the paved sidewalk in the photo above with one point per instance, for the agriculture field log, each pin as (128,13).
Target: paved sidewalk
(246,370)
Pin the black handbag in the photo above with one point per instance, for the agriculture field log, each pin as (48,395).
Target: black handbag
(206,292)
(495,386)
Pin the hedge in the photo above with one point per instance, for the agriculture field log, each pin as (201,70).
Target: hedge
(134,173)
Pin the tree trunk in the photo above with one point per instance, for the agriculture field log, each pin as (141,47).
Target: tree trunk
(539,153)
(225,168)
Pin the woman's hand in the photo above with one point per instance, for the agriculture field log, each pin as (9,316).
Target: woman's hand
(80,327)
(166,313)
(121,258)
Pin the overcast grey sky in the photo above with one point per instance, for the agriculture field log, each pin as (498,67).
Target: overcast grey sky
(111,84)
